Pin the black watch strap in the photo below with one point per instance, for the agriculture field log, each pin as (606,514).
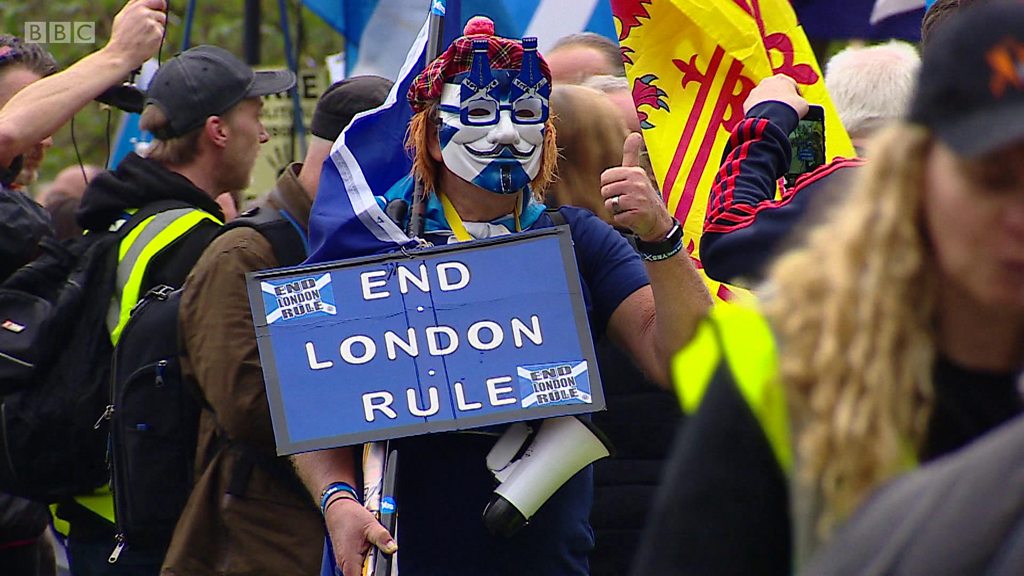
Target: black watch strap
(668,247)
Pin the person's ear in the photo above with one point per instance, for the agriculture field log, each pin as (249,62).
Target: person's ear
(217,131)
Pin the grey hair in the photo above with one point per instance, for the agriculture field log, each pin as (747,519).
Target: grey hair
(872,86)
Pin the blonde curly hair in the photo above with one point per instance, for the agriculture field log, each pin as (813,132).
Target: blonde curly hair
(854,311)
(426,169)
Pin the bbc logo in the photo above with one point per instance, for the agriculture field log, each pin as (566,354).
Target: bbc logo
(60,32)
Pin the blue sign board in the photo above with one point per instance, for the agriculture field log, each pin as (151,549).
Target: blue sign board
(446,338)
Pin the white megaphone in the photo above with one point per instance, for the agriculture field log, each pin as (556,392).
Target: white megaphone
(561,447)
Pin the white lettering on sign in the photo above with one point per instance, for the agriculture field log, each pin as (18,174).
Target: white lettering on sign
(441,340)
(496,335)
(393,341)
(448,285)
(315,364)
(434,344)
(366,279)
(499,392)
(414,407)
(460,400)
(369,349)
(494,391)
(451,276)
(519,330)
(405,276)
(378,402)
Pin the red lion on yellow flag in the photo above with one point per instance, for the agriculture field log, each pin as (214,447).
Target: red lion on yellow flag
(692,63)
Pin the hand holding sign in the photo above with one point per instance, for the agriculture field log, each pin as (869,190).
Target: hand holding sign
(631,198)
(353,531)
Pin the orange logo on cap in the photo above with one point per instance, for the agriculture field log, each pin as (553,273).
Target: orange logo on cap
(1007,63)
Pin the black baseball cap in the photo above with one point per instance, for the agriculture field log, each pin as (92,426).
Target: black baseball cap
(970,91)
(207,81)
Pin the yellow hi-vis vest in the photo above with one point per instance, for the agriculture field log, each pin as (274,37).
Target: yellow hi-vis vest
(737,338)
(149,238)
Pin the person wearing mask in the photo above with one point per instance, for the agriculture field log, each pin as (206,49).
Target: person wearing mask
(647,303)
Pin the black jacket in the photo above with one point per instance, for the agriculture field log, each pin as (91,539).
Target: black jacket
(23,224)
(135,183)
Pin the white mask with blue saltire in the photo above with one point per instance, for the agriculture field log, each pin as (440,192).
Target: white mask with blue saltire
(493,122)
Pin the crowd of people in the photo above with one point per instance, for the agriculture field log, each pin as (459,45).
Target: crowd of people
(884,341)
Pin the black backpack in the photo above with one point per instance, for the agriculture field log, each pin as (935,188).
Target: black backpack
(55,352)
(155,411)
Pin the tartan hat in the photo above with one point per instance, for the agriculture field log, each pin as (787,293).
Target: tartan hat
(504,54)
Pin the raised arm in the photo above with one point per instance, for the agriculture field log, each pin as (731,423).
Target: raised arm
(42,107)
(657,320)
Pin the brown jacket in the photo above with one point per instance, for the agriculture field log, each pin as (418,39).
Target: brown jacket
(266,525)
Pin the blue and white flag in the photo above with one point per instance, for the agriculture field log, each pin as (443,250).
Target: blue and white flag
(378,33)
(367,159)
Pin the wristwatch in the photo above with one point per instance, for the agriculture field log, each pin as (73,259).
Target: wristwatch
(662,249)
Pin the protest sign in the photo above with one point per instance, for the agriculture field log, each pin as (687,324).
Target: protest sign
(446,338)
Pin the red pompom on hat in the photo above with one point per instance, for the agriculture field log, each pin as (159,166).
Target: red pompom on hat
(504,54)
(479,25)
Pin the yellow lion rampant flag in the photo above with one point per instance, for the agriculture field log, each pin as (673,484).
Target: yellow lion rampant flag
(691,64)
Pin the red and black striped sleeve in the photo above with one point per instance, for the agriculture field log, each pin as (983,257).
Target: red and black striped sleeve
(745,222)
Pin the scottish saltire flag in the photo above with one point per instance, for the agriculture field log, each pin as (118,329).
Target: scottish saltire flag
(367,159)
(691,64)
(378,33)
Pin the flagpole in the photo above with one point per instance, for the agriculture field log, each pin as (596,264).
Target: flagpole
(377,563)
(435,39)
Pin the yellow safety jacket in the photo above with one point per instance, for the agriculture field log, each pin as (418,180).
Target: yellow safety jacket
(739,337)
(136,251)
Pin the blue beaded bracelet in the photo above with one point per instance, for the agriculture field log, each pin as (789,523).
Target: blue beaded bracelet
(333,489)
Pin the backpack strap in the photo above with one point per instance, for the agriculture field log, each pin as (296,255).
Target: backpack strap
(557,218)
(288,241)
(140,237)
(279,228)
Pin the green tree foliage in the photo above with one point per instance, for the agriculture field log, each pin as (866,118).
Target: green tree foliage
(216,22)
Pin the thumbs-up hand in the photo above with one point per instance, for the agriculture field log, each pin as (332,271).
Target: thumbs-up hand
(631,150)
(630,197)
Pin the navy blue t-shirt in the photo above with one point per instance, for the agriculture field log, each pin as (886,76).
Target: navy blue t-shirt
(444,483)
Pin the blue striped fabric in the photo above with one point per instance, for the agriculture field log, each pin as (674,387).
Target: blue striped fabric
(398,20)
(366,161)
